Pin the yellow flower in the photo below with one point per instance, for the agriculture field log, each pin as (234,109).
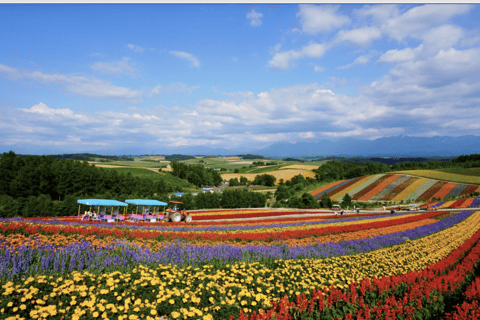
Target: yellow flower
(10,304)
(254,303)
(153,312)
(133,317)
(243,302)
(95,314)
(207,317)
(175,314)
(171,301)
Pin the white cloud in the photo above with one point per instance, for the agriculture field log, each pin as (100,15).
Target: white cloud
(173,88)
(255,18)
(320,18)
(319,69)
(420,19)
(361,36)
(115,67)
(135,48)
(397,55)
(82,85)
(194,62)
(380,13)
(364,59)
(283,60)
(42,108)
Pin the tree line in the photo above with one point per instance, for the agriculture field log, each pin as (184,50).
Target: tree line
(43,186)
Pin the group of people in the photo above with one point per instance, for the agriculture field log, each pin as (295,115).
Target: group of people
(89,215)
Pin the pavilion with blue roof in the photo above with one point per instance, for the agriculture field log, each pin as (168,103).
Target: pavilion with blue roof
(101,203)
(146,202)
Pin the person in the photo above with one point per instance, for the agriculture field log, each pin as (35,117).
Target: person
(358,210)
(341,213)
(383,208)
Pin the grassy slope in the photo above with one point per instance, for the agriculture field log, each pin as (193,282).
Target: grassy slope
(454,175)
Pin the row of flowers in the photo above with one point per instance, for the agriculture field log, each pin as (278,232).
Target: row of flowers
(258,232)
(228,282)
(428,294)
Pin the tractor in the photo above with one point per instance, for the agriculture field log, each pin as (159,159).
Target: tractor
(176,215)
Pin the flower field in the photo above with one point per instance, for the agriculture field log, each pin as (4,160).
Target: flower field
(394,187)
(369,266)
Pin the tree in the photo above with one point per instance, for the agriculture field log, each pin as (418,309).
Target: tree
(233,182)
(347,201)
(236,170)
(326,202)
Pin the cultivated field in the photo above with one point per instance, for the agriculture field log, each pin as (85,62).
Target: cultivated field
(398,187)
(278,174)
(304,267)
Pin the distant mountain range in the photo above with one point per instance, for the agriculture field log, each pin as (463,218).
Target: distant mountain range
(399,146)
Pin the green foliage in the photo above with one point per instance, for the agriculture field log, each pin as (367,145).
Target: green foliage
(264,180)
(233,182)
(347,201)
(196,174)
(43,186)
(242,199)
(326,202)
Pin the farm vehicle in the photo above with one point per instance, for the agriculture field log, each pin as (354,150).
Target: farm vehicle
(176,215)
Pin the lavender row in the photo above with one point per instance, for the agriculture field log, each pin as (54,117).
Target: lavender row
(121,254)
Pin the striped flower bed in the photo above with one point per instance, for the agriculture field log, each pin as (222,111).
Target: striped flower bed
(370,187)
(457,190)
(382,185)
(388,189)
(471,188)
(362,184)
(322,189)
(333,193)
(399,190)
(442,193)
(428,194)
(339,195)
(427,183)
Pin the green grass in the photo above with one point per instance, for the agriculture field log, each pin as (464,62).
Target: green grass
(443,174)
(136,163)
(462,171)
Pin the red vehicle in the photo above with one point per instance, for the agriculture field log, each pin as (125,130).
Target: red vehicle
(176,215)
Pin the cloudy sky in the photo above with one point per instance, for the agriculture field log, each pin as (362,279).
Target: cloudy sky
(86,77)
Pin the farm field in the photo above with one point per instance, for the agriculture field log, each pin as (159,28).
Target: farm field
(396,265)
(459,175)
(286,174)
(395,187)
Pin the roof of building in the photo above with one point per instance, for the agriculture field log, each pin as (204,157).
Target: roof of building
(146,202)
(102,202)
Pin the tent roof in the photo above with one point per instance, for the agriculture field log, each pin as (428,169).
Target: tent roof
(102,202)
(146,202)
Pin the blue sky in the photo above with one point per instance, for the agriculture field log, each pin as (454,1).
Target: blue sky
(86,77)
